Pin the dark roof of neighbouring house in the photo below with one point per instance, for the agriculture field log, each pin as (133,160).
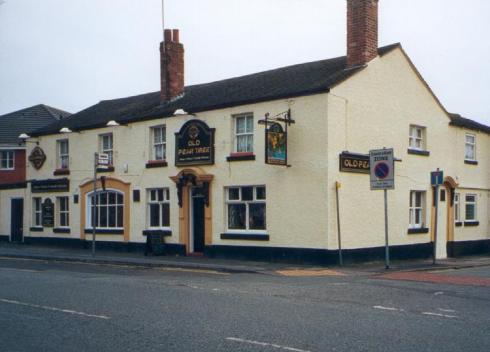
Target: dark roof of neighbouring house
(26,121)
(291,81)
(459,121)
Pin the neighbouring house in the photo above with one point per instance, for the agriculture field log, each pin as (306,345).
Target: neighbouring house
(13,163)
(249,167)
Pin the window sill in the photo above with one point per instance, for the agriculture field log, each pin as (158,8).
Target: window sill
(245,236)
(156,163)
(165,233)
(458,223)
(471,223)
(59,172)
(240,157)
(36,229)
(418,230)
(106,231)
(105,169)
(418,152)
(61,230)
(471,162)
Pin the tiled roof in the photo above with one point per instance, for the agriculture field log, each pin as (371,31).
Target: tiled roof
(26,121)
(291,81)
(458,120)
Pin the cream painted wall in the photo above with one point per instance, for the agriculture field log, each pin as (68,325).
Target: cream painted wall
(5,211)
(296,195)
(374,109)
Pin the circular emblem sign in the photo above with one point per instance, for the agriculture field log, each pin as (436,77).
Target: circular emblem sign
(37,158)
(382,170)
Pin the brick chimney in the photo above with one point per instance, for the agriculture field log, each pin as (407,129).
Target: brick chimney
(171,66)
(362,31)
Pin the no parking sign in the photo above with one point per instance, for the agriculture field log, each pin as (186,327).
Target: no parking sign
(382,169)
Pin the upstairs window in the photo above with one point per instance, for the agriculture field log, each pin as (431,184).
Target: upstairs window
(417,138)
(159,145)
(470,147)
(63,154)
(159,208)
(470,207)
(106,145)
(6,160)
(246,208)
(244,133)
(63,211)
(417,209)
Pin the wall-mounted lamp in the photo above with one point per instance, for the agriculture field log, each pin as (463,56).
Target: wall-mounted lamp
(24,137)
(180,112)
(65,130)
(112,123)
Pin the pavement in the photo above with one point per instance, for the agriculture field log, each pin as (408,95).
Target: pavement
(65,254)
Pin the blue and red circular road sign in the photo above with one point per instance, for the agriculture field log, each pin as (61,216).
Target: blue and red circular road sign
(382,170)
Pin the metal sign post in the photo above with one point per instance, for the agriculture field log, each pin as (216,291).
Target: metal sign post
(337,186)
(436,179)
(382,171)
(94,200)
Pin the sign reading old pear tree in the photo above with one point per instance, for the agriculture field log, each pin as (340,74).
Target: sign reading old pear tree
(194,144)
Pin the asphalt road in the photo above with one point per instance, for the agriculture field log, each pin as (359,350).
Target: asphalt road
(79,307)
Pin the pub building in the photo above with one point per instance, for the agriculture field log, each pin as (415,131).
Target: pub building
(249,167)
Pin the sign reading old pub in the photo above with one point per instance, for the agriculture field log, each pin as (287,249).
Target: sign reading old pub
(194,144)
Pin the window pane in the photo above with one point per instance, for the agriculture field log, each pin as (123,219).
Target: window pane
(103,216)
(112,216)
(470,212)
(112,198)
(103,198)
(418,217)
(260,192)
(241,144)
(165,215)
(154,215)
(470,139)
(234,193)
(470,198)
(159,152)
(157,135)
(240,125)
(167,197)
(257,216)
(119,213)
(247,193)
(236,216)
(418,199)
(119,199)
(250,123)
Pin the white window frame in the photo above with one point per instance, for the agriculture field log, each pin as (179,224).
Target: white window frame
(62,212)
(88,209)
(413,208)
(9,156)
(245,134)
(470,144)
(63,156)
(457,207)
(103,149)
(475,207)
(165,201)
(413,137)
(37,210)
(156,144)
(247,204)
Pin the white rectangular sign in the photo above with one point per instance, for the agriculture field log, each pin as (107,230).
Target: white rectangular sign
(103,159)
(382,169)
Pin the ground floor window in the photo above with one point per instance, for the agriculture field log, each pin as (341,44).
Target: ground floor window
(158,208)
(109,209)
(417,209)
(36,212)
(63,211)
(470,207)
(246,208)
(457,208)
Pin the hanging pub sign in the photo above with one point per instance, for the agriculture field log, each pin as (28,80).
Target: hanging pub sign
(51,185)
(194,144)
(47,211)
(276,138)
(37,158)
(276,148)
(354,162)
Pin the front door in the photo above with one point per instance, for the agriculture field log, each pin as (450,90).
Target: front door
(16,219)
(197,243)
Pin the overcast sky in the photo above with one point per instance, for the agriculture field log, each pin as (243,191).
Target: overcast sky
(72,54)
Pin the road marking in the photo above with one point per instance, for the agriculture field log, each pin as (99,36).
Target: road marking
(440,315)
(447,310)
(68,311)
(309,272)
(388,308)
(438,293)
(24,270)
(236,339)
(199,271)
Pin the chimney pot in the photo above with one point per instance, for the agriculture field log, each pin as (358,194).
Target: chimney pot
(167,35)
(175,35)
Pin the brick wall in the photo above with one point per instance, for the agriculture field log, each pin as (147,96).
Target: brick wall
(362,31)
(18,174)
(171,66)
